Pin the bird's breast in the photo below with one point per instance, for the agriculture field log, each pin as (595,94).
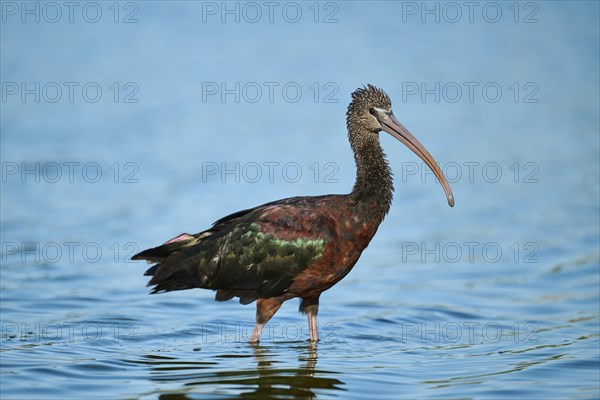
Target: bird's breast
(338,258)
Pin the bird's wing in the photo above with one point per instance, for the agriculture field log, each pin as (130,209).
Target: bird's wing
(183,240)
(254,253)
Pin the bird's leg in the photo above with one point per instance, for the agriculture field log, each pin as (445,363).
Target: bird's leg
(265,309)
(311,308)
(312,311)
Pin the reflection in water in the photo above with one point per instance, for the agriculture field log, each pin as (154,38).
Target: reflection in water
(299,382)
(224,375)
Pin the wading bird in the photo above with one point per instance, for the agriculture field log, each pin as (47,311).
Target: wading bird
(299,246)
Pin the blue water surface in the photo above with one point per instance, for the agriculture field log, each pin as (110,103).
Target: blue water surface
(126,123)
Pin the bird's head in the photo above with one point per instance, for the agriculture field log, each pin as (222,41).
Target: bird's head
(367,103)
(371,112)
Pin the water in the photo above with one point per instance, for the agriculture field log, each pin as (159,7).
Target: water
(496,297)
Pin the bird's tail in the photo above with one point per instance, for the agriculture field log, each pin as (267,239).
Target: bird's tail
(173,269)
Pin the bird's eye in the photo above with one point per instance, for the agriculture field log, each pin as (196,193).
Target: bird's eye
(372,111)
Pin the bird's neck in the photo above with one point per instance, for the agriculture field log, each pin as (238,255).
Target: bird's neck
(373,189)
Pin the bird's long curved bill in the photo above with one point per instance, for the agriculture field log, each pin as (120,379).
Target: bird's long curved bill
(392,126)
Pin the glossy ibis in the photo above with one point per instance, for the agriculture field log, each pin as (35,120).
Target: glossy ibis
(295,247)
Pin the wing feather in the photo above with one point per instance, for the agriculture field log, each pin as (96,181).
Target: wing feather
(253,253)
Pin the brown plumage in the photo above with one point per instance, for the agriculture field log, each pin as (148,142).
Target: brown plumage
(295,247)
